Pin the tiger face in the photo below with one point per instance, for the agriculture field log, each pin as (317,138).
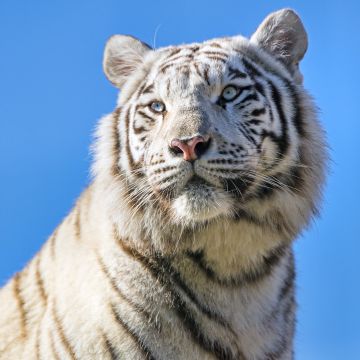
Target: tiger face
(208,128)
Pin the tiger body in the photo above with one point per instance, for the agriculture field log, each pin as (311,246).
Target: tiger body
(166,257)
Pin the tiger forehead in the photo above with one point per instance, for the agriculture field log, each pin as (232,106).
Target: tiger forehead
(195,67)
(193,54)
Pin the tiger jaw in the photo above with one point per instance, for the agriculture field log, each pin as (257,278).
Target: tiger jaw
(199,202)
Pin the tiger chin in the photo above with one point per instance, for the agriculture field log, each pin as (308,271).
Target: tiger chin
(210,165)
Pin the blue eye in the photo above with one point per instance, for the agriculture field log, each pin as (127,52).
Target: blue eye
(157,106)
(230,93)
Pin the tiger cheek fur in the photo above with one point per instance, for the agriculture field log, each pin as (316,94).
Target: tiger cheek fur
(181,247)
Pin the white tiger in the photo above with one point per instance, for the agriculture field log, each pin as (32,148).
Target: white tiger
(211,164)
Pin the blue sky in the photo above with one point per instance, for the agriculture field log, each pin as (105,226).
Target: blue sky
(52,91)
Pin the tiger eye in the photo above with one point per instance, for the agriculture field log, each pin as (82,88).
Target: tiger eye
(230,93)
(157,106)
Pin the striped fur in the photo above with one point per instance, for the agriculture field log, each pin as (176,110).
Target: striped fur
(163,258)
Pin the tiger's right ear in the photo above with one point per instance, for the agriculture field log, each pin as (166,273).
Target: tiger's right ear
(122,56)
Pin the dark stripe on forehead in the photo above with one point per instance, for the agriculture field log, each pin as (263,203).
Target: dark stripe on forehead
(236,73)
(206,74)
(173,52)
(194,48)
(148,89)
(217,58)
(215,44)
(214,53)
(197,69)
(174,61)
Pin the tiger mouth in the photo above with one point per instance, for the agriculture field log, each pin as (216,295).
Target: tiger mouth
(201,187)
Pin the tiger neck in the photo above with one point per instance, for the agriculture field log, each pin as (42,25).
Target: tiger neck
(228,248)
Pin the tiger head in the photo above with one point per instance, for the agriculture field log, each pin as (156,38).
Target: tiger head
(216,129)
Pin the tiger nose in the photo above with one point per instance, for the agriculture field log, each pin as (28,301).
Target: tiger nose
(191,149)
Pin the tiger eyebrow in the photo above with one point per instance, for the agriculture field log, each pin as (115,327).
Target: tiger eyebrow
(148,89)
(236,73)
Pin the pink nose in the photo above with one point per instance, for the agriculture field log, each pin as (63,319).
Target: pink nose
(189,148)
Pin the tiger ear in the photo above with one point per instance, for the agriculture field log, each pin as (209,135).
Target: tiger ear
(283,35)
(122,56)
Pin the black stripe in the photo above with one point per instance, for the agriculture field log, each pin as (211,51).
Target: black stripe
(217,58)
(140,89)
(148,89)
(196,66)
(37,343)
(110,348)
(20,304)
(40,283)
(237,186)
(136,307)
(52,242)
(116,141)
(168,66)
(127,141)
(173,52)
(206,74)
(52,347)
(236,73)
(282,141)
(59,327)
(214,53)
(250,68)
(174,61)
(145,116)
(168,88)
(216,45)
(247,135)
(253,122)
(77,222)
(298,120)
(139,342)
(249,97)
(249,277)
(158,267)
(260,88)
(289,281)
(176,278)
(257,112)
(139,130)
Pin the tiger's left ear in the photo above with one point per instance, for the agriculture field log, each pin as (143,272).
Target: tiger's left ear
(283,35)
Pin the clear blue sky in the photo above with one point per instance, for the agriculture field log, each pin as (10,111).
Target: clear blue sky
(52,91)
